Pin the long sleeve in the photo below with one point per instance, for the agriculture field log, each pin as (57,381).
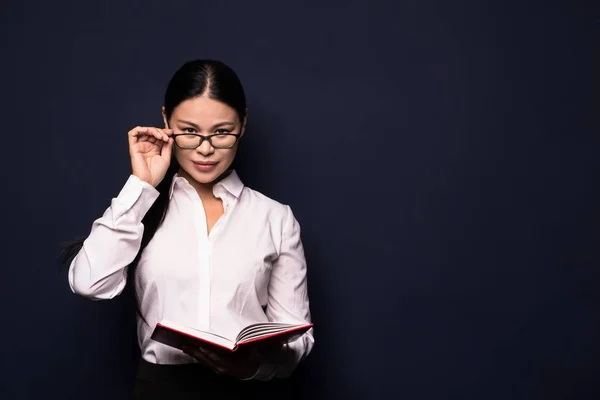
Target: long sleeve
(288,302)
(98,271)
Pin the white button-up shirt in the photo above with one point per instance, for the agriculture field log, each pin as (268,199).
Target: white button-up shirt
(250,268)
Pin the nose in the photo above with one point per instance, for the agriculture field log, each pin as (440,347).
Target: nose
(205,148)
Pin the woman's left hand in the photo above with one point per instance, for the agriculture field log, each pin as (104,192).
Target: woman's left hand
(242,363)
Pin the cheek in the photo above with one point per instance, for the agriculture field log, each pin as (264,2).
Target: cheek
(229,154)
(226,158)
(178,154)
(179,157)
(232,153)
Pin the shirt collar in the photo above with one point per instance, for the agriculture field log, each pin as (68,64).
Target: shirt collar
(231,183)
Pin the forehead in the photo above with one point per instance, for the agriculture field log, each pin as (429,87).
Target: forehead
(204,110)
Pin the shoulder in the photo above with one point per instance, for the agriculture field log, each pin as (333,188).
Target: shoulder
(279,215)
(259,202)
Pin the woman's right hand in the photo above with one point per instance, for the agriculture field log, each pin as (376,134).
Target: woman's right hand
(150,151)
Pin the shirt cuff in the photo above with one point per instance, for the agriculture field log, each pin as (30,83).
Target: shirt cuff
(134,200)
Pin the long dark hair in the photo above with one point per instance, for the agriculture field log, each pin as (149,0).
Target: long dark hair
(195,78)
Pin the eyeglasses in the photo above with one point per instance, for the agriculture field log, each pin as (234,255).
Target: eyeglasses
(216,140)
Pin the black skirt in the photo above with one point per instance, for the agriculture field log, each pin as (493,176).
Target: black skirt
(190,381)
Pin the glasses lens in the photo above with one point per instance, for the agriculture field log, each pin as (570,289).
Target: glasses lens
(189,141)
(223,141)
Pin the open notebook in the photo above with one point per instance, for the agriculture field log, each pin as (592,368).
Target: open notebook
(178,336)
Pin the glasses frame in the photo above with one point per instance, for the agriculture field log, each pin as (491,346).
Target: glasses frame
(205,137)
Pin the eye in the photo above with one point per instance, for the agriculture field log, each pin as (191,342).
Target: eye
(188,130)
(222,131)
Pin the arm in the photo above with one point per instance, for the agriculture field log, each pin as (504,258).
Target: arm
(98,271)
(288,301)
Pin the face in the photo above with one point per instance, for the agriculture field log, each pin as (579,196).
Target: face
(204,116)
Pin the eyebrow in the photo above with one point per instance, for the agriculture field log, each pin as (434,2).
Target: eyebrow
(218,125)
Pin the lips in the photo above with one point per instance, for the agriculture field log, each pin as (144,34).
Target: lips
(205,166)
(205,163)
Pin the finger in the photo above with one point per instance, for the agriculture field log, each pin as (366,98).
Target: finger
(137,130)
(167,149)
(150,139)
(133,134)
(146,138)
(209,362)
(154,132)
(161,135)
(167,133)
(213,356)
(199,354)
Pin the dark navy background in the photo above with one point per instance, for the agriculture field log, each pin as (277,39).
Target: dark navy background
(440,156)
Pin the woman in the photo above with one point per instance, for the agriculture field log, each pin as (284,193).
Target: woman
(200,247)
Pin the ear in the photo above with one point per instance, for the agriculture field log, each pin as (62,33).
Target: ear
(164,116)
